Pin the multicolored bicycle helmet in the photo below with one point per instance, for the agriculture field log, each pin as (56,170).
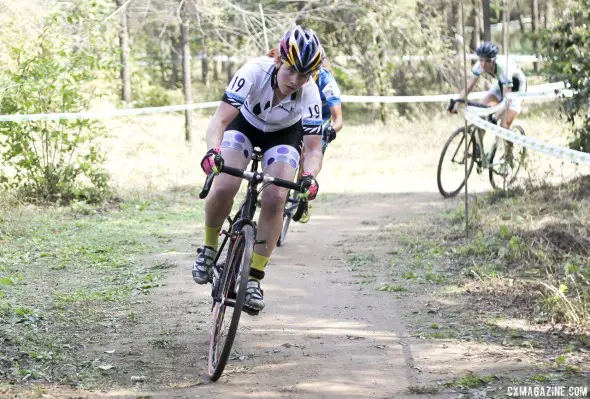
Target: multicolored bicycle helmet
(301,50)
(487,50)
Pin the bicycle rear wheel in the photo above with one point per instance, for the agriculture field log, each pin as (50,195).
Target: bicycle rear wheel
(232,292)
(506,158)
(452,179)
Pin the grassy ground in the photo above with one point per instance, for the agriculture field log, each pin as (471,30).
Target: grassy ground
(149,155)
(518,288)
(69,276)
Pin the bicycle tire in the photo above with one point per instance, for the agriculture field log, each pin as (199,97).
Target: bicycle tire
(239,262)
(284,230)
(452,193)
(287,216)
(301,207)
(494,170)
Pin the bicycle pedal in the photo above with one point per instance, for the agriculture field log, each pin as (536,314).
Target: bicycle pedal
(250,311)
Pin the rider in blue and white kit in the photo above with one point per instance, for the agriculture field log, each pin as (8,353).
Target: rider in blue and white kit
(331,114)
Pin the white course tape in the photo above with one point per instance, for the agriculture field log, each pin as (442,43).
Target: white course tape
(104,114)
(539,91)
(546,90)
(474,114)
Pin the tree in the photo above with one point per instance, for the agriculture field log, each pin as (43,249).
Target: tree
(568,46)
(124,44)
(535,26)
(54,71)
(487,31)
(186,67)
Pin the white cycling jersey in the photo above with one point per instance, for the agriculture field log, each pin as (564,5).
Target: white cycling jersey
(252,89)
(506,73)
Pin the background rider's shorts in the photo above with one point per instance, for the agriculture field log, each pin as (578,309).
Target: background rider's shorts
(515,103)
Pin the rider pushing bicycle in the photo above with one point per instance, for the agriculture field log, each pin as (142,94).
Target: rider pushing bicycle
(273,104)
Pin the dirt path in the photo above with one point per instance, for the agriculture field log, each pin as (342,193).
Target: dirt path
(320,336)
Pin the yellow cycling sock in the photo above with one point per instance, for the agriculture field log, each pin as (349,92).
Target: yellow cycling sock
(212,236)
(258,264)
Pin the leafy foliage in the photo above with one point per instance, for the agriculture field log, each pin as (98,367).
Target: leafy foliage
(46,160)
(568,46)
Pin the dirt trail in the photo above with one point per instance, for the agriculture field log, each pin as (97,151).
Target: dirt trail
(320,336)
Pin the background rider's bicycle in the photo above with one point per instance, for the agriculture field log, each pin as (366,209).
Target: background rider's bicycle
(503,161)
(232,264)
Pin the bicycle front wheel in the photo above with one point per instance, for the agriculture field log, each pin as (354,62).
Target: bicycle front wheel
(287,216)
(506,159)
(232,293)
(451,166)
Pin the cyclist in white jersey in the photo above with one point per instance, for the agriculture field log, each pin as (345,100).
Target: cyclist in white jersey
(510,79)
(273,104)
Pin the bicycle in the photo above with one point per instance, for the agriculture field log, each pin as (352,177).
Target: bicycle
(503,166)
(230,277)
(295,206)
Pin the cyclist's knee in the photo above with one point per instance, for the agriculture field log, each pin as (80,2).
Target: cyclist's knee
(224,188)
(273,199)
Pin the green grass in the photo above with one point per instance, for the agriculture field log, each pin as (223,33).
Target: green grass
(66,272)
(391,288)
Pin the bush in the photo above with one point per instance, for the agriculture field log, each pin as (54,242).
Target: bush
(568,46)
(55,161)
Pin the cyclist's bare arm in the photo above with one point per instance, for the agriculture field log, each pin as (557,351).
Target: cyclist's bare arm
(337,119)
(224,114)
(313,154)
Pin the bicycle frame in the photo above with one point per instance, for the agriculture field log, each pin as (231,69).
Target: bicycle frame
(245,214)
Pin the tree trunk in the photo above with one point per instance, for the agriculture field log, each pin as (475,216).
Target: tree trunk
(454,24)
(459,28)
(535,26)
(205,63)
(521,22)
(505,30)
(216,67)
(475,39)
(124,44)
(548,13)
(487,32)
(230,69)
(186,70)
(174,55)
